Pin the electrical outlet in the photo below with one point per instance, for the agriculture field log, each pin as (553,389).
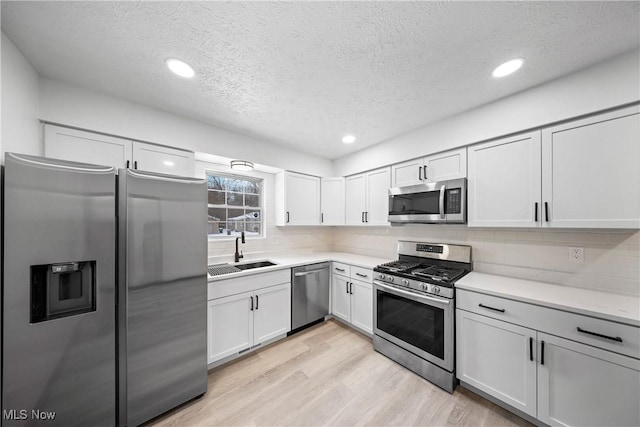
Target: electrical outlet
(576,255)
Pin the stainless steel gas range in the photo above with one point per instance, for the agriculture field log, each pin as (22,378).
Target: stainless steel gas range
(414,309)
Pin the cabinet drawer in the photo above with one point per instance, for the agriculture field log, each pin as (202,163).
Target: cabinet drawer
(340,268)
(362,274)
(555,322)
(248,283)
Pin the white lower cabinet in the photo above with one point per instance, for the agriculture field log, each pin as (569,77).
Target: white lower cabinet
(558,381)
(242,321)
(580,385)
(352,298)
(494,357)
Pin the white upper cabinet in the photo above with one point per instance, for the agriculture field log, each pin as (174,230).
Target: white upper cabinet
(581,174)
(332,201)
(436,167)
(355,199)
(504,182)
(88,147)
(156,158)
(367,197)
(591,171)
(297,199)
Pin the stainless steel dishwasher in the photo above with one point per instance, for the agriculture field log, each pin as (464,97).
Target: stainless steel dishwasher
(310,294)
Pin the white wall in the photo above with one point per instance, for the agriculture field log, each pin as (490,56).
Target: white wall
(612,259)
(20,102)
(74,106)
(606,85)
(277,240)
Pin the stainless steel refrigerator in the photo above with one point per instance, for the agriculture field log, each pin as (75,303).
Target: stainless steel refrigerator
(103,293)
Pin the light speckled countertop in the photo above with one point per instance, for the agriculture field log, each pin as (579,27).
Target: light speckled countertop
(289,261)
(604,305)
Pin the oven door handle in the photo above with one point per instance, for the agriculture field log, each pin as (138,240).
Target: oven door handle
(396,291)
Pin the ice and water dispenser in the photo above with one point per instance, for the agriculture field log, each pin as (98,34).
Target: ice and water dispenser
(62,289)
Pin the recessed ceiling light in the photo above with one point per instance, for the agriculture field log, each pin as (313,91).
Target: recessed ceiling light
(508,67)
(180,68)
(348,139)
(168,163)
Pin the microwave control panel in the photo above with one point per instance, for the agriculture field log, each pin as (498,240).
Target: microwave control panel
(453,201)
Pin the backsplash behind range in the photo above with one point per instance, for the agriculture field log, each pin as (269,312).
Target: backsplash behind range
(414,307)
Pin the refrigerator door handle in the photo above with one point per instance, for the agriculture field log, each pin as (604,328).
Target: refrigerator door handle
(183,179)
(62,165)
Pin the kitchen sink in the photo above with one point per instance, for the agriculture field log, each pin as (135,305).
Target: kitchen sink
(256,264)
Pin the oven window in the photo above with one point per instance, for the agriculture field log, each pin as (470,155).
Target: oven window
(427,203)
(418,324)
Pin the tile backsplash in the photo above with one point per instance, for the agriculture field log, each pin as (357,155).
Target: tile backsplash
(611,258)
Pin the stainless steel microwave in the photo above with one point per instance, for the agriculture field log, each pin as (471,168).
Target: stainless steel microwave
(429,203)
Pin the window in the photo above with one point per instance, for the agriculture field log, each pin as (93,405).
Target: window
(234,205)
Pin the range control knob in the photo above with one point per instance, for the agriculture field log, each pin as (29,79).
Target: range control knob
(381,276)
(435,290)
(424,286)
(390,278)
(405,282)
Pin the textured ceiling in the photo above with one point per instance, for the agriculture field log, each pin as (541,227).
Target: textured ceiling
(302,74)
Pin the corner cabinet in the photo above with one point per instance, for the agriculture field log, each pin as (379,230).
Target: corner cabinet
(367,197)
(352,295)
(450,164)
(332,201)
(297,199)
(243,313)
(88,147)
(561,368)
(581,174)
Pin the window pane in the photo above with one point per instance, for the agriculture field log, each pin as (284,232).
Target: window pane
(234,199)
(252,200)
(252,227)
(234,185)
(236,215)
(216,197)
(252,215)
(217,214)
(252,187)
(215,182)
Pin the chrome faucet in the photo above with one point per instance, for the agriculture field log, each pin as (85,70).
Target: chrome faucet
(239,255)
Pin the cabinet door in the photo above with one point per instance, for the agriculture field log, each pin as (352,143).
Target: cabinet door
(504,184)
(378,182)
(355,199)
(362,305)
(302,196)
(332,201)
(581,385)
(447,165)
(272,312)
(590,175)
(86,147)
(496,357)
(407,173)
(230,326)
(156,158)
(340,298)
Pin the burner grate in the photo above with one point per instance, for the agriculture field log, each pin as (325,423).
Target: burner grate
(398,266)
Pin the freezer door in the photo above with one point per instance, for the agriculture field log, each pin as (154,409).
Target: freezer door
(59,316)
(163,280)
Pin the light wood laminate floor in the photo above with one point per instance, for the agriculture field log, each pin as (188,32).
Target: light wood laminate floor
(329,375)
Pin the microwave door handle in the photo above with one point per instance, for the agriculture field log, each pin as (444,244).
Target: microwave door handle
(442,191)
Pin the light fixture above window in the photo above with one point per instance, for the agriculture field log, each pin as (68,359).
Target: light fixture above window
(508,67)
(348,139)
(241,165)
(180,68)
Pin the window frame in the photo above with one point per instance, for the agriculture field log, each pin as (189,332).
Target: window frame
(261,208)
